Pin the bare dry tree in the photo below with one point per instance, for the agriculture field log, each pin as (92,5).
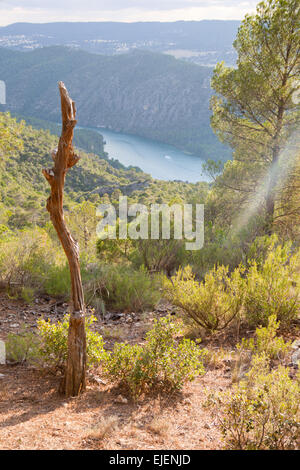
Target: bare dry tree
(64,158)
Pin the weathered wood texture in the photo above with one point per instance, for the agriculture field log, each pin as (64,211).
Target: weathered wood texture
(64,158)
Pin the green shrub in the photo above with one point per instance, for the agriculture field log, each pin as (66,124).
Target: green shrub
(162,361)
(224,245)
(261,247)
(31,258)
(22,347)
(267,342)
(272,286)
(123,288)
(128,365)
(219,249)
(54,342)
(158,255)
(269,285)
(27,294)
(260,412)
(57,280)
(212,304)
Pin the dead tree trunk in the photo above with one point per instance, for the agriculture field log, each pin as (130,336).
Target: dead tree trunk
(64,158)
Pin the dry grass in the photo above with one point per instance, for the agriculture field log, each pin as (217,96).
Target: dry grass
(240,365)
(4,393)
(160,426)
(215,357)
(115,333)
(103,429)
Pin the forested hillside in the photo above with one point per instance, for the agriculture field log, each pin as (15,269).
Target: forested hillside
(143,93)
(23,191)
(85,139)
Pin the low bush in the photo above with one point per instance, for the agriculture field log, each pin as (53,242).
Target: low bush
(162,361)
(158,255)
(213,303)
(33,261)
(57,281)
(261,412)
(23,347)
(122,288)
(268,285)
(266,341)
(271,286)
(54,342)
(48,346)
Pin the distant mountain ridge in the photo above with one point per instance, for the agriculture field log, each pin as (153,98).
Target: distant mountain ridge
(144,93)
(204,42)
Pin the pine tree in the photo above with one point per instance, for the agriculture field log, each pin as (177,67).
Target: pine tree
(256,109)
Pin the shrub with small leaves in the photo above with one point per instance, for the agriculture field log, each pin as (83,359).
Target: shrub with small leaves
(23,346)
(266,341)
(271,286)
(27,294)
(127,364)
(212,304)
(163,361)
(262,412)
(176,361)
(54,342)
(122,288)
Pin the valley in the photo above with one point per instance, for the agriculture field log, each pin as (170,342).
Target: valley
(143,93)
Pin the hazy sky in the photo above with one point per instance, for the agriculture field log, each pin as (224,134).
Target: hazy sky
(12,11)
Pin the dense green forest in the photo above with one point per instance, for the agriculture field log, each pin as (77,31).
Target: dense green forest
(230,309)
(23,187)
(84,139)
(87,140)
(143,93)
